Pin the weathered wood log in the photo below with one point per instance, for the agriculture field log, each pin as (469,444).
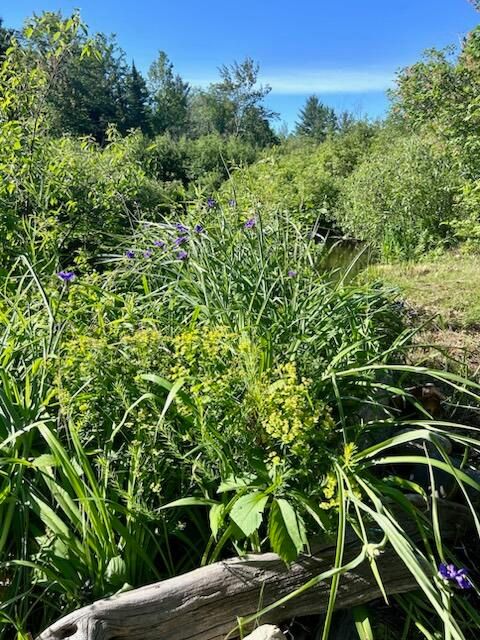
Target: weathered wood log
(205,604)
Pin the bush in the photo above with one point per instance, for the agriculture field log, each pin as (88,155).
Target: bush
(290,180)
(401,199)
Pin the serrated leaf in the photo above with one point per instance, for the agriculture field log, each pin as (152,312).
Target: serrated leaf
(286,530)
(247,512)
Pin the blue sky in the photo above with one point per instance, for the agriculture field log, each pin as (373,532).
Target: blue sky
(345,51)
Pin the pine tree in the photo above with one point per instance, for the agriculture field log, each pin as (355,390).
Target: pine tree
(136,101)
(5,35)
(317,120)
(169,97)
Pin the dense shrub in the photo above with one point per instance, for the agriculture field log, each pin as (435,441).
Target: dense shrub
(401,198)
(292,180)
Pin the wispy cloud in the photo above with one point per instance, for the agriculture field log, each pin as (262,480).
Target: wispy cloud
(331,81)
(322,81)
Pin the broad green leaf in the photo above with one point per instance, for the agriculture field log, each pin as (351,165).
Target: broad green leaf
(116,571)
(286,530)
(232,483)
(216,515)
(247,512)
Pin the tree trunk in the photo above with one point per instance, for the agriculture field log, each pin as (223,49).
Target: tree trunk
(204,604)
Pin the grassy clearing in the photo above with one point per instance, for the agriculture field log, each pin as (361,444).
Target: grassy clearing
(448,288)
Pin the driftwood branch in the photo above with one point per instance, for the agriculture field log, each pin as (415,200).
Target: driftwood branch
(205,604)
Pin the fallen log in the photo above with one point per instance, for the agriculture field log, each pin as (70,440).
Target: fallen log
(205,604)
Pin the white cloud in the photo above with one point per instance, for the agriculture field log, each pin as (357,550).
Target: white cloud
(322,81)
(331,81)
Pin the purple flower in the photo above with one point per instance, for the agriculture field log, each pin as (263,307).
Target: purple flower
(181,228)
(159,243)
(232,203)
(66,276)
(147,253)
(198,228)
(182,255)
(130,254)
(180,240)
(250,223)
(211,203)
(449,572)
(292,273)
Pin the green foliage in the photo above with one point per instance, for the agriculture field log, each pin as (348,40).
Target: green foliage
(137,115)
(441,95)
(292,180)
(316,120)
(169,97)
(80,194)
(24,122)
(203,387)
(401,198)
(203,163)
(234,106)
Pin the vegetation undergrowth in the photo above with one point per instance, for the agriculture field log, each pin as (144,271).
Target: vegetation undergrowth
(182,377)
(171,410)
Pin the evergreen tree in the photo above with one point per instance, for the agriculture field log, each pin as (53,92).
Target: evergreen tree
(5,35)
(316,120)
(169,97)
(136,101)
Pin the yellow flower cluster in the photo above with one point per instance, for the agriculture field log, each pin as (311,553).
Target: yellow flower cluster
(203,357)
(205,343)
(289,415)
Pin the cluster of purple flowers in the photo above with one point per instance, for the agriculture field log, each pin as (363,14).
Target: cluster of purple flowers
(450,573)
(66,276)
(250,223)
(181,228)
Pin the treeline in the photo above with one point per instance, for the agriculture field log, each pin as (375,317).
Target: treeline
(409,185)
(93,86)
(89,147)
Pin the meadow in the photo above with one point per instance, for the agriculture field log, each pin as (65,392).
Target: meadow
(186,375)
